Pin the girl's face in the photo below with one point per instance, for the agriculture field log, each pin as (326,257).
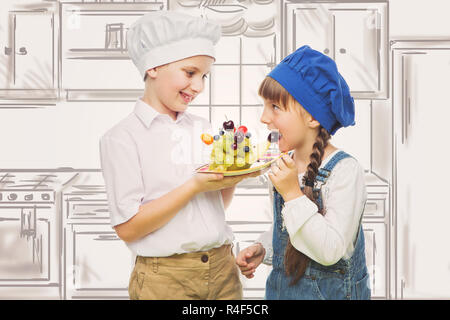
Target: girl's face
(178,83)
(290,123)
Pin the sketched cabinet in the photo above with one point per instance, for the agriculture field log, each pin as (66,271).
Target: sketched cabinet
(376,235)
(98,263)
(376,254)
(421,77)
(29,60)
(249,215)
(245,234)
(352,34)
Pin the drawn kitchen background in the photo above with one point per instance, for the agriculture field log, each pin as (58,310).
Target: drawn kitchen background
(65,78)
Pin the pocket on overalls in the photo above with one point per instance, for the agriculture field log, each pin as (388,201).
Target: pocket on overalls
(329,285)
(362,288)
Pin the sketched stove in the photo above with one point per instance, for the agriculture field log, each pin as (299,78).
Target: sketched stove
(29,235)
(97,263)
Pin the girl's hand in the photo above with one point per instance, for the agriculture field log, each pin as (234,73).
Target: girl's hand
(284,177)
(250,258)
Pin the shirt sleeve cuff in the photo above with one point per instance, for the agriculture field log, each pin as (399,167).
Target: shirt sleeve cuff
(296,212)
(266,240)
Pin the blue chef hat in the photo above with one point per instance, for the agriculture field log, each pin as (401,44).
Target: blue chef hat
(313,80)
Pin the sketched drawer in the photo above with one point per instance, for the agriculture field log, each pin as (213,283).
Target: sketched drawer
(82,209)
(375,206)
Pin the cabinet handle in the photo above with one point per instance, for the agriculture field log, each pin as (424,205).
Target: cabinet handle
(326,51)
(407,117)
(401,288)
(404,84)
(375,245)
(406,100)
(106,238)
(409,110)
(22,51)
(342,50)
(405,107)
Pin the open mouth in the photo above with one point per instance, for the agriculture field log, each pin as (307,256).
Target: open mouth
(186,97)
(278,135)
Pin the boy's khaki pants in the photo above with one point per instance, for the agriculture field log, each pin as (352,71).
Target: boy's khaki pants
(211,275)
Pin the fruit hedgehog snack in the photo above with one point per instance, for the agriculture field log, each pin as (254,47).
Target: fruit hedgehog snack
(232,149)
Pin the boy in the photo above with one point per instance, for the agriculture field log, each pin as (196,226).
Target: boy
(171,218)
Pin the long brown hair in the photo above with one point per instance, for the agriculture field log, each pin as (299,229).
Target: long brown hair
(295,262)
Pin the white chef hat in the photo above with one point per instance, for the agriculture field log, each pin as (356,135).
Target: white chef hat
(161,37)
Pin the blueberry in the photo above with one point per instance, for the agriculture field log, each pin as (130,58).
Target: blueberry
(247,149)
(248,135)
(238,137)
(274,136)
(221,132)
(216,137)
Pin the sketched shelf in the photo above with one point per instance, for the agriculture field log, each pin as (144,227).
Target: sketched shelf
(98,54)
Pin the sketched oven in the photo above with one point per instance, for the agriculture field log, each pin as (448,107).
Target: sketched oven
(29,246)
(97,264)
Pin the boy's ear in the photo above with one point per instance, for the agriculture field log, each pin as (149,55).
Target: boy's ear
(152,73)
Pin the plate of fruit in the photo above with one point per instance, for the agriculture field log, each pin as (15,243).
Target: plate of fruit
(233,152)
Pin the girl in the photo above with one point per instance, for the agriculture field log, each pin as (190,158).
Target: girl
(171,219)
(317,247)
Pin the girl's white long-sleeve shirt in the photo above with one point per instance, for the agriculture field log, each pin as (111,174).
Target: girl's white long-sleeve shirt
(325,239)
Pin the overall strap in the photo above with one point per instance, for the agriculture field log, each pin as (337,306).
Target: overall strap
(324,173)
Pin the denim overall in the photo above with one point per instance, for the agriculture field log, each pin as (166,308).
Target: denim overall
(346,279)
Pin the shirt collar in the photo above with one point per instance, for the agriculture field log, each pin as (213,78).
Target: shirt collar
(147,114)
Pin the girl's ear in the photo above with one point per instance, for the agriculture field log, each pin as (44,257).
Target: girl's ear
(313,123)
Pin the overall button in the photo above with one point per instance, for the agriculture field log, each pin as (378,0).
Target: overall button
(204,258)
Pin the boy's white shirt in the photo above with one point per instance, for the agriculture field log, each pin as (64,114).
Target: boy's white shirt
(324,239)
(145,156)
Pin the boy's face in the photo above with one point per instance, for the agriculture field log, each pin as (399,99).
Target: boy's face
(178,83)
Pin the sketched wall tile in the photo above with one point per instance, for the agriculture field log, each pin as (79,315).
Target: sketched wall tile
(225,85)
(252,76)
(381,134)
(356,139)
(251,119)
(228,50)
(220,114)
